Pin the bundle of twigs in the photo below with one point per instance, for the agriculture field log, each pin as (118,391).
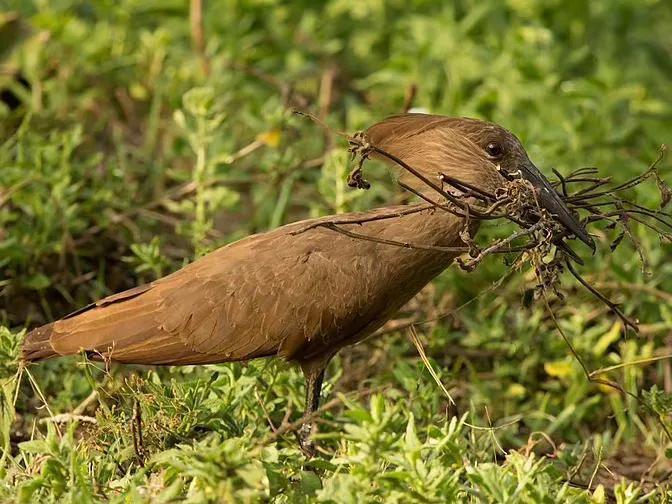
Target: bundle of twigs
(540,239)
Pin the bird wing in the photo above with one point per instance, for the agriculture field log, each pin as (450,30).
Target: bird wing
(250,299)
(194,315)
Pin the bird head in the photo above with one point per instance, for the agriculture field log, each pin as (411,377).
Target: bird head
(476,152)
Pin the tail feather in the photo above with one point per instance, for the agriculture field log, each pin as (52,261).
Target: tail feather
(37,345)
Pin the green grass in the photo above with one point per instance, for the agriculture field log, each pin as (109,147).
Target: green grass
(126,159)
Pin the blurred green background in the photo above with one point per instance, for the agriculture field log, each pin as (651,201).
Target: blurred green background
(134,137)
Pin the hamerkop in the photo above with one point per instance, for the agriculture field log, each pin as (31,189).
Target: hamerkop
(302,292)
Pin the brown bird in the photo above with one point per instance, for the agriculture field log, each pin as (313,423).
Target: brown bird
(303,291)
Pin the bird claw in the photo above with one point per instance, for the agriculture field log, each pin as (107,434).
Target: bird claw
(305,440)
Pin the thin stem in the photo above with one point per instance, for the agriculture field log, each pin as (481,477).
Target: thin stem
(461,185)
(362,220)
(624,318)
(630,183)
(417,174)
(395,243)
(499,244)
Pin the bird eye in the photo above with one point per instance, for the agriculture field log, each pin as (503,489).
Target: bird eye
(494,149)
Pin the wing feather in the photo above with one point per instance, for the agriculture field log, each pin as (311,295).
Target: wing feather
(275,293)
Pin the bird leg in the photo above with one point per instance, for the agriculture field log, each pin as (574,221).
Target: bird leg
(136,431)
(314,379)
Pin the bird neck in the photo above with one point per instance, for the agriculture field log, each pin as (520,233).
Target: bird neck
(433,227)
(426,228)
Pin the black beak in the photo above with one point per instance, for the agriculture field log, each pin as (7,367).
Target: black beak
(551,201)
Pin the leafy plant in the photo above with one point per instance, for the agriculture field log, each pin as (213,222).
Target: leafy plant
(127,149)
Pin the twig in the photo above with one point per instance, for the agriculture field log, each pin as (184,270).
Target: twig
(630,183)
(285,89)
(197,33)
(383,241)
(574,352)
(665,296)
(635,362)
(362,220)
(69,417)
(499,244)
(467,188)
(454,200)
(629,211)
(265,411)
(624,318)
(586,190)
(76,414)
(578,467)
(321,123)
(418,344)
(597,467)
(430,201)
(38,391)
(562,181)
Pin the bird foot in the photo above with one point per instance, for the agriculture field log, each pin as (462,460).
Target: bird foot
(305,440)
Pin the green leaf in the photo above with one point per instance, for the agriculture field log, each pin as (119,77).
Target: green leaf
(38,281)
(310,483)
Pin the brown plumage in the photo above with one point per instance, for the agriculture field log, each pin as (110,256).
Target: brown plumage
(301,297)
(297,296)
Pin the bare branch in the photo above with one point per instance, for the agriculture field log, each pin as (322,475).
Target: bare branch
(383,241)
(373,218)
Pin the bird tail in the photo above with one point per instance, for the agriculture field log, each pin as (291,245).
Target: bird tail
(37,345)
